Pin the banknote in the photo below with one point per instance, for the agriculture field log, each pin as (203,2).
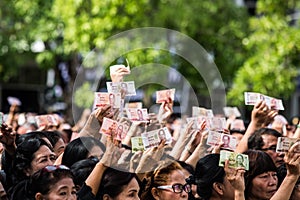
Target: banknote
(118,87)
(105,98)
(251,98)
(137,144)
(274,103)
(134,105)
(46,120)
(114,129)
(214,138)
(285,143)
(153,138)
(164,95)
(216,123)
(197,121)
(113,69)
(200,111)
(14,101)
(137,114)
(235,159)
(231,111)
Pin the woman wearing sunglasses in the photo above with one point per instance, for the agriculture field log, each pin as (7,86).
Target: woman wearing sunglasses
(167,182)
(52,183)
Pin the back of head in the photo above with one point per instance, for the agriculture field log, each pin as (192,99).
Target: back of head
(255,141)
(82,169)
(208,172)
(259,162)
(79,149)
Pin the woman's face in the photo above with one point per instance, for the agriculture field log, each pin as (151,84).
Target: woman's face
(176,176)
(130,191)
(264,185)
(62,190)
(59,147)
(41,158)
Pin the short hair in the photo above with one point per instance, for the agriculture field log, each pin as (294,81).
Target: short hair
(24,155)
(208,172)
(78,149)
(42,181)
(82,169)
(52,136)
(259,162)
(256,142)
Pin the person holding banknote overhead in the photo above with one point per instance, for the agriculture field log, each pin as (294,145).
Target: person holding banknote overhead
(211,180)
(265,139)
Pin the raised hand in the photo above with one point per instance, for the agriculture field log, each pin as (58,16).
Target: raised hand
(165,111)
(236,178)
(261,115)
(118,73)
(292,160)
(150,158)
(8,138)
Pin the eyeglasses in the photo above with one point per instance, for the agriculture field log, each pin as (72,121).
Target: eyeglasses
(52,168)
(177,188)
(271,148)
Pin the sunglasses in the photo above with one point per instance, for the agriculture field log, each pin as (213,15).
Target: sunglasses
(271,148)
(52,168)
(177,188)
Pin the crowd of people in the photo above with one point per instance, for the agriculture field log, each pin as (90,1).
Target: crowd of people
(64,162)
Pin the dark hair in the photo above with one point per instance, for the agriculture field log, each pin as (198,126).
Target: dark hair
(208,172)
(43,180)
(78,149)
(27,136)
(255,141)
(259,162)
(186,166)
(82,169)
(24,155)
(113,182)
(52,136)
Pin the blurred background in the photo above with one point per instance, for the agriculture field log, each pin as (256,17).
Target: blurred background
(254,43)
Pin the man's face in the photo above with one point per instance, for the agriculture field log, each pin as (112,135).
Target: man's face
(239,160)
(226,140)
(270,142)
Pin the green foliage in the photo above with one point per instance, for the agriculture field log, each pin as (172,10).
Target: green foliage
(252,54)
(84,96)
(273,48)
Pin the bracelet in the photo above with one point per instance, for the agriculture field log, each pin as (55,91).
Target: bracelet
(189,151)
(126,147)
